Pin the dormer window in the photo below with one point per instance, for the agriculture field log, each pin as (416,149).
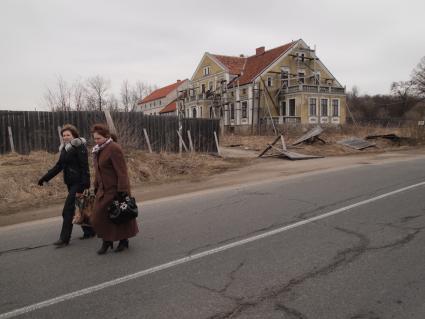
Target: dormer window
(206,70)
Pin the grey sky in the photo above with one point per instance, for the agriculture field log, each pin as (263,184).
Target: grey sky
(365,43)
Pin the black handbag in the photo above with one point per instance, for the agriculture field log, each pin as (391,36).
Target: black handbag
(121,212)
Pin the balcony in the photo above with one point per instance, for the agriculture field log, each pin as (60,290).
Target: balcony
(308,88)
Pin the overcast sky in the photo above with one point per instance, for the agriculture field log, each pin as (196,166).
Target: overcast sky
(364,43)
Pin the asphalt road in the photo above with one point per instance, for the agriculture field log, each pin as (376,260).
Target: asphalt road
(342,244)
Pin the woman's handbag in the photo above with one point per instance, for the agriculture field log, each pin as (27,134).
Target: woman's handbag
(123,211)
(84,204)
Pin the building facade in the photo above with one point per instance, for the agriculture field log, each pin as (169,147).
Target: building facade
(287,84)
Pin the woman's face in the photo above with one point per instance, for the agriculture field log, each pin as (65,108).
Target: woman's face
(67,136)
(99,139)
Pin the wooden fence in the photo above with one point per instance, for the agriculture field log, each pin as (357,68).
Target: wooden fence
(32,131)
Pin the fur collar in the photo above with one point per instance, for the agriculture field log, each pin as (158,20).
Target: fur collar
(76,142)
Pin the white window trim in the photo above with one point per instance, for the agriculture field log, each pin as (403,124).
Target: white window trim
(309,106)
(327,106)
(207,70)
(339,107)
(242,106)
(288,107)
(269,79)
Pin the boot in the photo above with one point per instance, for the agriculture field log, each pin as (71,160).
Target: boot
(105,246)
(122,245)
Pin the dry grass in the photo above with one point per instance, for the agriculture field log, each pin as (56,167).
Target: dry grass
(19,175)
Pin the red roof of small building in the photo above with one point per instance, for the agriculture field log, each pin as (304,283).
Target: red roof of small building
(169,108)
(250,67)
(161,92)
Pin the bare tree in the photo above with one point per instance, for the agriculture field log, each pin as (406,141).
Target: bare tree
(404,91)
(99,87)
(59,98)
(126,95)
(79,92)
(418,78)
(112,103)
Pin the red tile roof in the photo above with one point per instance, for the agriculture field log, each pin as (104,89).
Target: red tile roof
(233,63)
(169,108)
(162,92)
(252,66)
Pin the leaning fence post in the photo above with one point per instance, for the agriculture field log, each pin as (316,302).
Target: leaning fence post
(216,143)
(147,140)
(190,141)
(12,145)
(183,143)
(110,122)
(60,135)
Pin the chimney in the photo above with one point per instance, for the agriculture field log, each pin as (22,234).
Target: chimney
(178,81)
(260,50)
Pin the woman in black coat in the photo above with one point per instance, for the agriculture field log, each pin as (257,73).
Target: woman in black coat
(73,161)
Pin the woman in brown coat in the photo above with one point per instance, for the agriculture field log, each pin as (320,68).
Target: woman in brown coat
(111,182)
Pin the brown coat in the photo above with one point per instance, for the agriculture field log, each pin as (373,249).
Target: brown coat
(111,176)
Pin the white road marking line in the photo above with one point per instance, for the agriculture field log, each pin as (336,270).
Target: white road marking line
(187,259)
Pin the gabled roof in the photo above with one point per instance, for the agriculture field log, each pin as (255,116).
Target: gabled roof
(256,64)
(250,67)
(234,64)
(169,108)
(161,92)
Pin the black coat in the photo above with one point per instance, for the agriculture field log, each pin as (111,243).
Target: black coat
(75,166)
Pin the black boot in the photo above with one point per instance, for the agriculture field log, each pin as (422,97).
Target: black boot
(61,243)
(122,245)
(105,246)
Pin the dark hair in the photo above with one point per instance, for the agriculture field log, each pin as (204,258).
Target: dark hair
(71,128)
(102,129)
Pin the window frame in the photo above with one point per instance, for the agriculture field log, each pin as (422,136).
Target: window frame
(322,107)
(310,106)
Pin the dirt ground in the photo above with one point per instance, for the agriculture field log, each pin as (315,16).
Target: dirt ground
(19,175)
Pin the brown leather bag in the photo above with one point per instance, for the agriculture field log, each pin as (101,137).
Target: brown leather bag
(84,208)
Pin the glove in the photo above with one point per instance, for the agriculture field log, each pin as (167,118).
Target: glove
(41,181)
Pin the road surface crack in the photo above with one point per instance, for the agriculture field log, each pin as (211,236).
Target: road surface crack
(20,249)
